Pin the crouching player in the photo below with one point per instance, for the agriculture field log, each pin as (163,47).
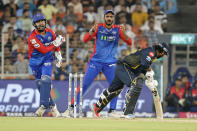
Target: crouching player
(130,71)
(42,42)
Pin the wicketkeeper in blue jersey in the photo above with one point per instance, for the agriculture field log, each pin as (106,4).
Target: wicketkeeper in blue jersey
(42,42)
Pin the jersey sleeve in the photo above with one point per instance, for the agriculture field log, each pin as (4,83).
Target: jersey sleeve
(88,37)
(123,37)
(36,44)
(54,37)
(146,59)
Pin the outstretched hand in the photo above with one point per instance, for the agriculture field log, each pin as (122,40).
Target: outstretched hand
(122,27)
(93,29)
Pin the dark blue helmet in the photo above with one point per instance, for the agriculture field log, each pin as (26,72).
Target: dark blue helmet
(38,17)
(162,47)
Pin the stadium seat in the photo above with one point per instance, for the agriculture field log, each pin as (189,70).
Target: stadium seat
(181,71)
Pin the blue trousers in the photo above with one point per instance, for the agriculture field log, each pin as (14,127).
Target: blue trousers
(43,74)
(93,69)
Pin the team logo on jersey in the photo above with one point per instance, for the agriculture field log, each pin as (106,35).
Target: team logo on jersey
(49,38)
(103,32)
(33,41)
(36,45)
(151,54)
(148,58)
(114,32)
(47,64)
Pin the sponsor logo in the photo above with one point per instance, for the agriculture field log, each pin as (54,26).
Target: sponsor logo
(151,54)
(114,32)
(188,115)
(148,58)
(36,45)
(15,98)
(33,41)
(47,64)
(49,38)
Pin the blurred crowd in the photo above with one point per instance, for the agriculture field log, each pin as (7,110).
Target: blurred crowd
(144,21)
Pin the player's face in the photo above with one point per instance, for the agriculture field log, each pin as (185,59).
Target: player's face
(109,18)
(161,54)
(40,25)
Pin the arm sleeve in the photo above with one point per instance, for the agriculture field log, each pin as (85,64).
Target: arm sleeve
(54,37)
(88,37)
(125,38)
(36,44)
(145,62)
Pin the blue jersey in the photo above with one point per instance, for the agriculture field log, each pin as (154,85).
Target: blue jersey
(40,47)
(106,43)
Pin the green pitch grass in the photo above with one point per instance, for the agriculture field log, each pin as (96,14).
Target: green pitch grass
(104,124)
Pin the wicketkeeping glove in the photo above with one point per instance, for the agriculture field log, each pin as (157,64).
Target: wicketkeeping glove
(58,58)
(58,41)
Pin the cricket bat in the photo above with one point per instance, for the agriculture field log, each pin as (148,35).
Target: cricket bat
(157,102)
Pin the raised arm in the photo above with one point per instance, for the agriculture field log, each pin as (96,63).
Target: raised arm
(93,31)
(123,35)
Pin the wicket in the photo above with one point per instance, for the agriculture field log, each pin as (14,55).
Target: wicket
(75,76)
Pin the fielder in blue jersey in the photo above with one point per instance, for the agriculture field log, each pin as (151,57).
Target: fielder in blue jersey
(42,42)
(103,58)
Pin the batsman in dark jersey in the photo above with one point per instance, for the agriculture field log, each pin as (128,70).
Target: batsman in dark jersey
(130,71)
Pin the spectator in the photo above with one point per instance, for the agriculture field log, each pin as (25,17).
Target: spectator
(123,13)
(81,25)
(132,8)
(194,94)
(13,7)
(26,6)
(157,25)
(11,23)
(31,5)
(186,84)
(121,4)
(160,17)
(8,67)
(10,40)
(25,21)
(91,15)
(47,9)
(78,8)
(22,49)
(139,17)
(121,46)
(22,65)
(60,5)
(59,27)
(129,3)
(6,16)
(7,53)
(71,17)
(17,40)
(151,34)
(175,97)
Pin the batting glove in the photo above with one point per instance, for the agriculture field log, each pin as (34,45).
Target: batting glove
(150,75)
(151,84)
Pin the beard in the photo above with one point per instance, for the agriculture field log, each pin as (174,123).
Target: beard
(108,22)
(41,28)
